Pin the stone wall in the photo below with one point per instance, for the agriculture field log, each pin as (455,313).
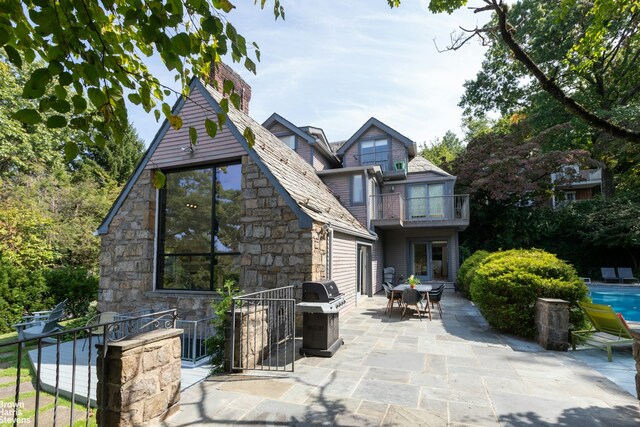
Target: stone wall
(552,324)
(275,251)
(142,377)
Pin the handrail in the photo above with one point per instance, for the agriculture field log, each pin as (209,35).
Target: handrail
(393,206)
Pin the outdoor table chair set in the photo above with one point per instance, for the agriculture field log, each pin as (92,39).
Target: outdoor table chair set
(422,297)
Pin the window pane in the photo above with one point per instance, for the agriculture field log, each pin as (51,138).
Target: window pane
(357,189)
(187,272)
(226,268)
(289,140)
(228,197)
(417,201)
(188,211)
(420,259)
(436,200)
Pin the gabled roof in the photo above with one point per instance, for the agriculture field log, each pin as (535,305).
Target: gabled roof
(373,122)
(420,164)
(305,133)
(294,179)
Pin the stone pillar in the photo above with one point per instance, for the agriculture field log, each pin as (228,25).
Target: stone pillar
(142,379)
(251,337)
(552,324)
(636,357)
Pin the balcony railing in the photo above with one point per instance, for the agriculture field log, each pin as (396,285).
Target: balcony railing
(393,206)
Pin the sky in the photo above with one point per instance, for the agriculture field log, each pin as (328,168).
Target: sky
(334,65)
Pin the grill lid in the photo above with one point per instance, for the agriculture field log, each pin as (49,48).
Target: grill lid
(320,291)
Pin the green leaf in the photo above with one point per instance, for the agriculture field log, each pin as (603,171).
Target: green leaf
(4,37)
(181,44)
(211,128)
(235,100)
(37,84)
(250,65)
(225,5)
(212,25)
(61,106)
(159,179)
(100,141)
(28,116)
(193,136)
(224,104)
(70,150)
(97,96)
(175,121)
(60,91)
(157,113)
(227,87)
(135,98)
(79,123)
(249,136)
(222,119)
(56,121)
(55,68)
(79,104)
(166,109)
(231,32)
(29,55)
(13,55)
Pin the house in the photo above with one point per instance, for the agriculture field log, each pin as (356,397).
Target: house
(291,208)
(572,184)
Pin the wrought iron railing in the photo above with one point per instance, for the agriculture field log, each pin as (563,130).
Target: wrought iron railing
(393,206)
(262,332)
(63,352)
(194,339)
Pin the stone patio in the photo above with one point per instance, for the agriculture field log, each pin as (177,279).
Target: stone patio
(452,371)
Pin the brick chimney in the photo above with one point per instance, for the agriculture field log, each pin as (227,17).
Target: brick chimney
(221,72)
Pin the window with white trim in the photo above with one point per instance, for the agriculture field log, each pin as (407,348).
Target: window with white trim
(289,140)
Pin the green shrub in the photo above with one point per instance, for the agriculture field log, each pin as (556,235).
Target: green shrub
(506,285)
(75,285)
(21,292)
(216,343)
(467,270)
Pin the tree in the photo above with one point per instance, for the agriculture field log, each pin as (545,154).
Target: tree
(443,151)
(96,50)
(607,35)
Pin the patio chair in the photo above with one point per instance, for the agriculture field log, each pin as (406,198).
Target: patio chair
(411,297)
(608,329)
(609,274)
(392,297)
(435,296)
(38,320)
(626,275)
(106,317)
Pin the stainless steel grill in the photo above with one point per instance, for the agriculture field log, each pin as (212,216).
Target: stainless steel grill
(321,304)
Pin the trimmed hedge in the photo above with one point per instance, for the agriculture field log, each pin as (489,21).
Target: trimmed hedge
(506,285)
(467,270)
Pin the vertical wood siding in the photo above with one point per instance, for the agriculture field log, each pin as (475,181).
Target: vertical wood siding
(343,270)
(377,264)
(170,153)
(339,185)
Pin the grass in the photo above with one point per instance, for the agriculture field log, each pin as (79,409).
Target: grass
(9,355)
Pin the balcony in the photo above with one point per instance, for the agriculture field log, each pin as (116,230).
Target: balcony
(392,162)
(586,178)
(392,211)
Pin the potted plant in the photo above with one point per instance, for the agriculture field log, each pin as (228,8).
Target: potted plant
(413,281)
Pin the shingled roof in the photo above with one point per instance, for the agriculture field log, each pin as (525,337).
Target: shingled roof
(420,164)
(293,174)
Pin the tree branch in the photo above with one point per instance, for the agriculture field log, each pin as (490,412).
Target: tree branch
(506,32)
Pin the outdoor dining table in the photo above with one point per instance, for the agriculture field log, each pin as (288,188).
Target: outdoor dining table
(423,289)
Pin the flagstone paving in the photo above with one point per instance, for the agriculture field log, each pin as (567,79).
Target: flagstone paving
(452,371)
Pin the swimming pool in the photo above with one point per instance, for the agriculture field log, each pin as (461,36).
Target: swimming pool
(623,299)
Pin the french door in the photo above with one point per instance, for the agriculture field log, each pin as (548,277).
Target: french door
(429,260)
(426,201)
(363,282)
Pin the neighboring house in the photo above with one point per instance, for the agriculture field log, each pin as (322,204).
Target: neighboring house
(574,184)
(287,210)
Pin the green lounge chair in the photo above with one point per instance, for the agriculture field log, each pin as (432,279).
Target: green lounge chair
(608,329)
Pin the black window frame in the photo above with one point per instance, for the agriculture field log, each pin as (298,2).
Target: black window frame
(160,253)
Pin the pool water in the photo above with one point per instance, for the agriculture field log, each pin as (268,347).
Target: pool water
(625,300)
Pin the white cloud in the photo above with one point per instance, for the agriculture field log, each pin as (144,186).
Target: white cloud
(335,65)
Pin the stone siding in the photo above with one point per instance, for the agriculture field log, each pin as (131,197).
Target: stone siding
(141,378)
(274,250)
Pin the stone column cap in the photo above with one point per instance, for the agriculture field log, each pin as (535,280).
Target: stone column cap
(144,339)
(553,300)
